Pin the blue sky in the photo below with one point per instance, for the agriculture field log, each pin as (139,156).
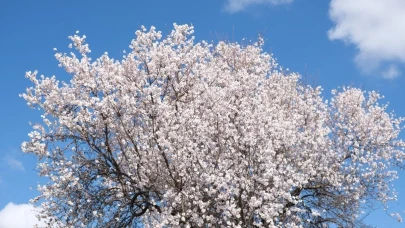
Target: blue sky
(330,42)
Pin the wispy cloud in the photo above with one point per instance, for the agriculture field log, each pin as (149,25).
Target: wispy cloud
(19,215)
(391,72)
(377,30)
(234,6)
(14,164)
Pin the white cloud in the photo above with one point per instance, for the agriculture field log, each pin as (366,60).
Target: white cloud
(376,28)
(234,6)
(391,72)
(19,216)
(15,164)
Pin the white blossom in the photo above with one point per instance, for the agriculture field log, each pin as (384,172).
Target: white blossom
(193,134)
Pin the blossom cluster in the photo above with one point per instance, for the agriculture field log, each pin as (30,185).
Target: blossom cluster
(182,133)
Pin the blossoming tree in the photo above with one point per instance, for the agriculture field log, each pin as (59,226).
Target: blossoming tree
(189,134)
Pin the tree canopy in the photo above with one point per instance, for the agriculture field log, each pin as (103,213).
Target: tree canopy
(182,133)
